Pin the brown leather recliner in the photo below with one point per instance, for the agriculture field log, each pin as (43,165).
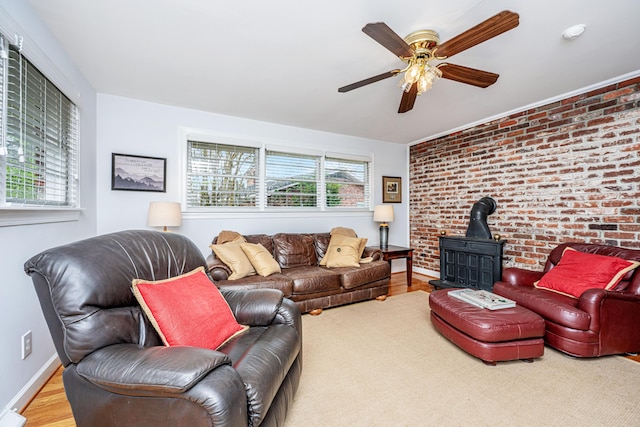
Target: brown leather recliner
(117,370)
(600,322)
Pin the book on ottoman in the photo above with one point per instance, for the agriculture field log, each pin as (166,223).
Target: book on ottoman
(483,299)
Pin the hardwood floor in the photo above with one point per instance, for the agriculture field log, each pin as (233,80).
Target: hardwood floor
(51,408)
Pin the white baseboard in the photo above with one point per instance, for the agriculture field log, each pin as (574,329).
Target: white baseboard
(427,272)
(8,418)
(30,389)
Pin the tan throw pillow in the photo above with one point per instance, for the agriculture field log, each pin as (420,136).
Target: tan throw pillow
(233,255)
(228,236)
(349,232)
(261,259)
(343,251)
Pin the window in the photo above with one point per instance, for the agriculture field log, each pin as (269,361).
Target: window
(38,138)
(220,175)
(263,178)
(293,180)
(347,183)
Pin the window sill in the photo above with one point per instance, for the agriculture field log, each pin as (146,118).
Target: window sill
(12,216)
(240,214)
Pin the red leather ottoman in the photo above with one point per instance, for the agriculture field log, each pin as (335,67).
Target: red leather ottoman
(491,335)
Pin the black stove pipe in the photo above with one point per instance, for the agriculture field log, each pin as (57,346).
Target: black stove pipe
(478,227)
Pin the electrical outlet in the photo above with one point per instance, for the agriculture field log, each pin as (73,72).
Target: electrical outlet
(27,345)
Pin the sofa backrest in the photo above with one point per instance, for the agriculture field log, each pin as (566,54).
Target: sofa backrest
(291,249)
(85,287)
(629,283)
(294,250)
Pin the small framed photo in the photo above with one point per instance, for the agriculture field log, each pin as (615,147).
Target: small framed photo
(391,189)
(138,173)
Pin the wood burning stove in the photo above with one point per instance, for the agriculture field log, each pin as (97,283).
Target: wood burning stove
(473,261)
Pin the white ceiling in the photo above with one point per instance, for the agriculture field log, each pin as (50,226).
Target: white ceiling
(282,61)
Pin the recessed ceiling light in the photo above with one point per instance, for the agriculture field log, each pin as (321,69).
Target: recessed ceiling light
(573,32)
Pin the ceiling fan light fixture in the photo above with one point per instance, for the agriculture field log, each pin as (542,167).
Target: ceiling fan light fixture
(429,76)
(413,73)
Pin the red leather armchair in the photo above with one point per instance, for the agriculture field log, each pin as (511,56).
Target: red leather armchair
(600,322)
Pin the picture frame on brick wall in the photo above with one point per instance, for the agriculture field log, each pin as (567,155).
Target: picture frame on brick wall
(391,189)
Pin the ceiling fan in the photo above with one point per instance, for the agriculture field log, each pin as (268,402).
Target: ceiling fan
(419,48)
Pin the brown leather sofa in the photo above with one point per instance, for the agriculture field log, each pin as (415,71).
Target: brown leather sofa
(599,322)
(302,280)
(117,370)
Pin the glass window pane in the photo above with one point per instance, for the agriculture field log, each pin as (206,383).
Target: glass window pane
(292,180)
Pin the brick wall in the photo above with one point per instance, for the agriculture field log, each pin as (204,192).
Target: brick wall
(566,171)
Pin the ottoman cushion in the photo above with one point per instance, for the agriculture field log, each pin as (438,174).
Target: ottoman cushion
(499,335)
(485,325)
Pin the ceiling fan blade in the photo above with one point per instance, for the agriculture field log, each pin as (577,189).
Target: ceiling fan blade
(494,26)
(368,81)
(408,99)
(468,75)
(380,32)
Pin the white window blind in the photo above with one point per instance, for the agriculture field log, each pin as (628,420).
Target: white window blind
(221,175)
(39,150)
(346,183)
(292,180)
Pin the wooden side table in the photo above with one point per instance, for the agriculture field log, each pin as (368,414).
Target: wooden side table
(395,252)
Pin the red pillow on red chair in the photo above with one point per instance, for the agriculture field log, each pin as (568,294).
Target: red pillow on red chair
(578,271)
(187,310)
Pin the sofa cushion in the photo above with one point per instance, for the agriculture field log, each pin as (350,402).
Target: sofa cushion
(366,273)
(232,254)
(309,280)
(552,306)
(321,241)
(578,271)
(187,310)
(261,260)
(294,250)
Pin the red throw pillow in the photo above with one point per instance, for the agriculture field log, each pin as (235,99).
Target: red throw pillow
(187,310)
(578,271)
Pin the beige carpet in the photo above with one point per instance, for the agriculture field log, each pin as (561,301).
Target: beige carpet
(382,364)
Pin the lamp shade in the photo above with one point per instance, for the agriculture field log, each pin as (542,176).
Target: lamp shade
(383,213)
(164,214)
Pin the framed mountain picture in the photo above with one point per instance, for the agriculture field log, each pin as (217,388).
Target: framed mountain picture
(138,173)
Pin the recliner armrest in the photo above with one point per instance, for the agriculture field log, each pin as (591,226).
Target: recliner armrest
(253,307)
(520,276)
(127,368)
(262,307)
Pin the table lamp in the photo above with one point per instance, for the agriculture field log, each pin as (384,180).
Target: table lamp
(164,214)
(383,214)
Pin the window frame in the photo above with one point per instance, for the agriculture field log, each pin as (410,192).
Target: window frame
(14,215)
(263,210)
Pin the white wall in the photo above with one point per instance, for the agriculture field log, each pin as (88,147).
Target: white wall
(115,124)
(143,128)
(19,306)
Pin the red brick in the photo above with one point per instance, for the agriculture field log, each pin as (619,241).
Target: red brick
(553,178)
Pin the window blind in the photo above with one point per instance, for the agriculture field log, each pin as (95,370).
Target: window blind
(347,183)
(221,175)
(40,127)
(292,180)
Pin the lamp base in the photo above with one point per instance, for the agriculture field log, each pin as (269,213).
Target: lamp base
(384,235)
